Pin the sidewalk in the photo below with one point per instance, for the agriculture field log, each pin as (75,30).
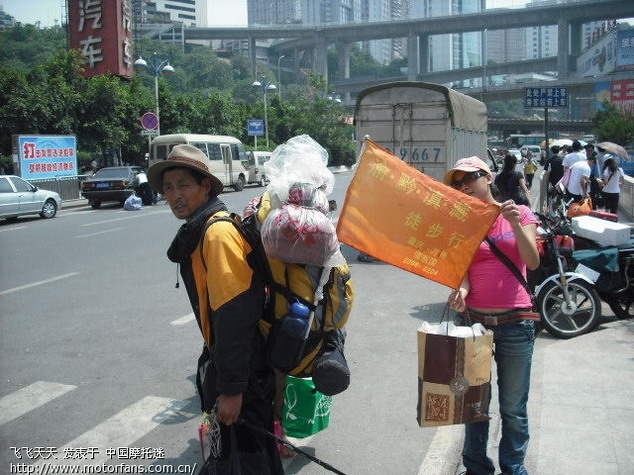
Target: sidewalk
(580,404)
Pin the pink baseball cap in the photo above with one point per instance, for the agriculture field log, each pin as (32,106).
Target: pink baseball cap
(469,164)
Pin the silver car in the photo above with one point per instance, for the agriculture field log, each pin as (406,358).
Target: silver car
(255,165)
(19,197)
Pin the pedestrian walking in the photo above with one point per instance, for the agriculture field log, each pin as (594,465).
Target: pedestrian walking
(490,293)
(234,376)
(511,184)
(554,166)
(530,167)
(613,179)
(579,183)
(576,155)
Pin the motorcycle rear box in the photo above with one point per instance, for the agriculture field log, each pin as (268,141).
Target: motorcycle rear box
(605,233)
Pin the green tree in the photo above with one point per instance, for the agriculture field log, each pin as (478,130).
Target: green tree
(26,46)
(363,64)
(613,124)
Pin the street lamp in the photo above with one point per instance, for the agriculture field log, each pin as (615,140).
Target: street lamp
(279,77)
(265,86)
(156,66)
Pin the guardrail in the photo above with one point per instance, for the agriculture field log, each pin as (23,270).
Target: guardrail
(68,187)
(626,199)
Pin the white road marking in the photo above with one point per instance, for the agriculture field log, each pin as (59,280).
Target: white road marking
(99,232)
(123,429)
(183,320)
(11,228)
(113,220)
(443,456)
(34,284)
(24,400)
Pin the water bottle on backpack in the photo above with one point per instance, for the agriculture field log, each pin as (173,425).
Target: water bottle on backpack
(286,349)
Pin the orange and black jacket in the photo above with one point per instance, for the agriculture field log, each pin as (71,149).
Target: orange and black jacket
(226,296)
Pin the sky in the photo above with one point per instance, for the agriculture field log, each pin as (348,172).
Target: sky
(224,12)
(31,11)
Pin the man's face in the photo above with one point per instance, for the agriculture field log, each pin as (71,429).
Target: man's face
(183,193)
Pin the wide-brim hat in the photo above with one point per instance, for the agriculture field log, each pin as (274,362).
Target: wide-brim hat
(469,164)
(183,156)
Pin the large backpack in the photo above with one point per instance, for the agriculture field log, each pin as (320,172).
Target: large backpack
(285,283)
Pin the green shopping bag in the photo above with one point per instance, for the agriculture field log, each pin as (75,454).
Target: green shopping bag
(306,411)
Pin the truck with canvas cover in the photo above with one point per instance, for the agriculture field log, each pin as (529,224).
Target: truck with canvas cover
(428,125)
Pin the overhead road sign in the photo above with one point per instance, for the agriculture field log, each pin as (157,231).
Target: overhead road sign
(551,97)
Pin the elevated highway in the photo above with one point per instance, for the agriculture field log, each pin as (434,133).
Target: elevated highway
(295,40)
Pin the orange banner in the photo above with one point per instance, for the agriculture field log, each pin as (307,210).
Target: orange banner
(406,218)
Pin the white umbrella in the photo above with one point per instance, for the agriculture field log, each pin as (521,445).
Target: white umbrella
(561,142)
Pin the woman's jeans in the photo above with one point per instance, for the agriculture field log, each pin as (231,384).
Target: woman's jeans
(513,352)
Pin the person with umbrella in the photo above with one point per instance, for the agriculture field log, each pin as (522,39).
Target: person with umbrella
(613,179)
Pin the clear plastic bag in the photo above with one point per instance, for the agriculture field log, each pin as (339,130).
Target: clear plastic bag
(298,228)
(300,160)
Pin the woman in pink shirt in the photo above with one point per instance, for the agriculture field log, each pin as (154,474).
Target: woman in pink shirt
(491,294)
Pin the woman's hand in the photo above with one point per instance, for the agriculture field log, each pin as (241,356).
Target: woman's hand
(525,236)
(511,212)
(229,407)
(456,299)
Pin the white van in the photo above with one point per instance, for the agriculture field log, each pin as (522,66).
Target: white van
(256,161)
(225,153)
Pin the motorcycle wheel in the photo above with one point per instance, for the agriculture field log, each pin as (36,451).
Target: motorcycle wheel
(580,318)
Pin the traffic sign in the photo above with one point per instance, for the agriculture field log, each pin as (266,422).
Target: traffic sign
(149,132)
(551,97)
(255,127)
(149,121)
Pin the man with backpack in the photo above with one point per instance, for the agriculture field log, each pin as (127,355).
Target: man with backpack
(234,377)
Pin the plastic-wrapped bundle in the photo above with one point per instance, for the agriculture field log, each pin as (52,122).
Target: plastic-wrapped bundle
(299,235)
(297,229)
(300,160)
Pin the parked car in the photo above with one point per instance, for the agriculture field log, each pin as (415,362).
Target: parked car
(18,197)
(110,184)
(255,166)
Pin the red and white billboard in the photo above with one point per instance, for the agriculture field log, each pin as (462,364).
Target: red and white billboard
(622,94)
(102,31)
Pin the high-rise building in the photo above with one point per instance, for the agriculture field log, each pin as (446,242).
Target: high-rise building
(6,20)
(187,12)
(317,12)
(451,51)
(274,12)
(385,51)
(503,46)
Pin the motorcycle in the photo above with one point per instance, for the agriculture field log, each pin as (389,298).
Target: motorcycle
(612,271)
(566,299)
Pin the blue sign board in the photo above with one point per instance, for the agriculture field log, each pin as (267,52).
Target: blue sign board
(47,156)
(625,49)
(540,97)
(255,127)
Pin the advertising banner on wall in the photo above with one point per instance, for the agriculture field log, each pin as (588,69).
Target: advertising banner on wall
(46,156)
(600,58)
(622,94)
(625,49)
(102,30)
